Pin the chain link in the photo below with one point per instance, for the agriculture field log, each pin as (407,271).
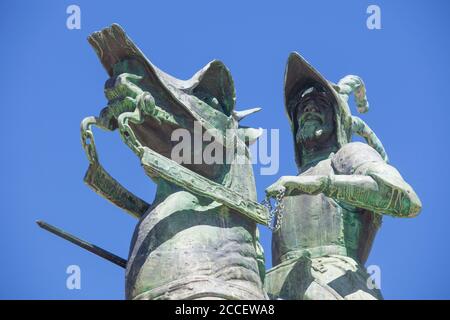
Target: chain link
(275,214)
(87,139)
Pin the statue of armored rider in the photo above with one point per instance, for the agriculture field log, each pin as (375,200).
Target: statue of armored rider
(334,206)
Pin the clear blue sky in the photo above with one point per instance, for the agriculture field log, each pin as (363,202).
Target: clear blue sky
(51,79)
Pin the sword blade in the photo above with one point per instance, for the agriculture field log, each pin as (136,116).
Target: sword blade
(84,244)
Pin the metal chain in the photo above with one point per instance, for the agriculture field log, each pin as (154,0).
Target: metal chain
(277,212)
(87,139)
(266,203)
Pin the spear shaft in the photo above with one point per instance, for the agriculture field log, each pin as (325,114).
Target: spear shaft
(84,244)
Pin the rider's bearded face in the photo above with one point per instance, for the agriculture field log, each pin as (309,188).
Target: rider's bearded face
(315,119)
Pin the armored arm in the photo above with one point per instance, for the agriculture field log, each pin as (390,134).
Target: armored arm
(362,179)
(377,187)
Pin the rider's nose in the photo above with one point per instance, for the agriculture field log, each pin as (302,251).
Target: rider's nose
(310,108)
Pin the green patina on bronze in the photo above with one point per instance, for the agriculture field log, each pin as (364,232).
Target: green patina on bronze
(198,239)
(333,208)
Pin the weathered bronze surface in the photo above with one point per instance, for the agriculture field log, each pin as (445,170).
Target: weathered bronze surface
(334,206)
(198,239)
